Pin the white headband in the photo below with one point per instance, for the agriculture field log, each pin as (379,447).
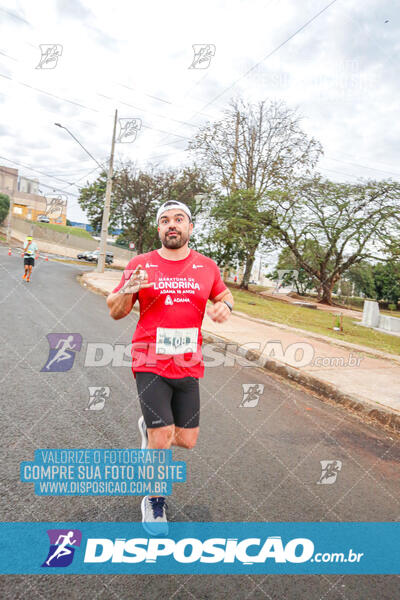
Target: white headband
(170,204)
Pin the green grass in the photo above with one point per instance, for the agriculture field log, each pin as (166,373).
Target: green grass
(316,321)
(66,229)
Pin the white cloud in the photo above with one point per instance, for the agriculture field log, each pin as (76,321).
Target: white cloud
(341,71)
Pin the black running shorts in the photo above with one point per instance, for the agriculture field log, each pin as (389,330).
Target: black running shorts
(29,260)
(167,401)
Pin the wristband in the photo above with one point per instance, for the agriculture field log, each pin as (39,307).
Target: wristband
(229,305)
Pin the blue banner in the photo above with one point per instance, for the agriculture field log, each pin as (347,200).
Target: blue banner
(221,548)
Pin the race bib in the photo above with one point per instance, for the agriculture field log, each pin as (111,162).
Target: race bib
(176,341)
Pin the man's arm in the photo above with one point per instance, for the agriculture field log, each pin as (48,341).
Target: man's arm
(121,302)
(225,295)
(220,312)
(120,305)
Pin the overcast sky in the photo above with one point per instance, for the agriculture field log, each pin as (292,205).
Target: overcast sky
(341,70)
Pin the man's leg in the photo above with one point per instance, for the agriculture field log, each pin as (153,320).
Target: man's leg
(24,276)
(29,272)
(186,411)
(185,438)
(155,399)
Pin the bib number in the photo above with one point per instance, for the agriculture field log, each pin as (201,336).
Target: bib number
(176,341)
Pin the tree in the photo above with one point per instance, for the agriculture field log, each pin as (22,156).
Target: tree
(136,196)
(254,148)
(237,225)
(296,275)
(362,275)
(4,206)
(349,222)
(387,281)
(91,200)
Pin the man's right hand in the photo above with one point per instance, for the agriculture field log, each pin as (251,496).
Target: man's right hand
(138,280)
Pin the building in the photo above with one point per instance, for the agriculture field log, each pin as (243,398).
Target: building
(28,202)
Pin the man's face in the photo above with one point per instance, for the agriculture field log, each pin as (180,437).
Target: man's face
(174,228)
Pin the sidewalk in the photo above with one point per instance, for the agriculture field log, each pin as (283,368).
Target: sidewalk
(369,385)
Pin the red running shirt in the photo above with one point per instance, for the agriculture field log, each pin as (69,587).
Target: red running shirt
(167,340)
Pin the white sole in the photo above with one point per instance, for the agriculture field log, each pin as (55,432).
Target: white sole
(145,526)
(142,429)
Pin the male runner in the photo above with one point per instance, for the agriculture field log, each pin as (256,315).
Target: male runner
(30,249)
(173,285)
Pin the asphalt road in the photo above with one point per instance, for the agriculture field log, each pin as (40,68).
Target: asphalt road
(250,464)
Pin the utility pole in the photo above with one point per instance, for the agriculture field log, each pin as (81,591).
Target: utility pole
(236,149)
(10,214)
(107,202)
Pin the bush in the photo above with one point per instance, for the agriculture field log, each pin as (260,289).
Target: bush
(392,307)
(4,207)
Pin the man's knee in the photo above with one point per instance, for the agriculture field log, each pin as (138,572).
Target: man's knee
(186,438)
(161,437)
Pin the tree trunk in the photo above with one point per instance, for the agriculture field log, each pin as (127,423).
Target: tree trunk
(247,272)
(326,297)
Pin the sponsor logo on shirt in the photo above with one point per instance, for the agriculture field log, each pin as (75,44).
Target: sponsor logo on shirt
(168,300)
(197,266)
(148,265)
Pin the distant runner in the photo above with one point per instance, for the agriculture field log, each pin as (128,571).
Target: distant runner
(173,285)
(30,250)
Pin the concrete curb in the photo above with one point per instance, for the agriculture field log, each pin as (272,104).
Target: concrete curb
(372,352)
(372,411)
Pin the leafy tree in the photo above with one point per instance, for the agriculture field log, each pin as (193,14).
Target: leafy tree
(349,222)
(302,281)
(255,149)
(91,200)
(362,275)
(136,196)
(237,225)
(387,281)
(4,206)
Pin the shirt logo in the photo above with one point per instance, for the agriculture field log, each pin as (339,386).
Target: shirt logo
(168,300)
(197,266)
(148,266)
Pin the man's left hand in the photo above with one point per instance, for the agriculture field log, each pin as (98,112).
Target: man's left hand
(219,312)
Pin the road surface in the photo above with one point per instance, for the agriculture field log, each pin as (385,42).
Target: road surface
(258,463)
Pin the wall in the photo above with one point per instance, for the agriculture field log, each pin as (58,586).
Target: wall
(66,244)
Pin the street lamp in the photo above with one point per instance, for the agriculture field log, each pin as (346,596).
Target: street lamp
(106,212)
(81,145)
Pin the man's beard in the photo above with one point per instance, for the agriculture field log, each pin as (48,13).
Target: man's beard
(173,243)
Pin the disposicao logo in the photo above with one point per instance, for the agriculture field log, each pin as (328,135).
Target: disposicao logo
(62,547)
(190,550)
(62,351)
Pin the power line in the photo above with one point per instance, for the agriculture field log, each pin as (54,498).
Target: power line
(82,105)
(35,170)
(15,16)
(272,52)
(363,166)
(266,57)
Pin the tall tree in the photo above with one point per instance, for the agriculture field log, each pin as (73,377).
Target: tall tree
(349,222)
(255,148)
(91,200)
(136,196)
